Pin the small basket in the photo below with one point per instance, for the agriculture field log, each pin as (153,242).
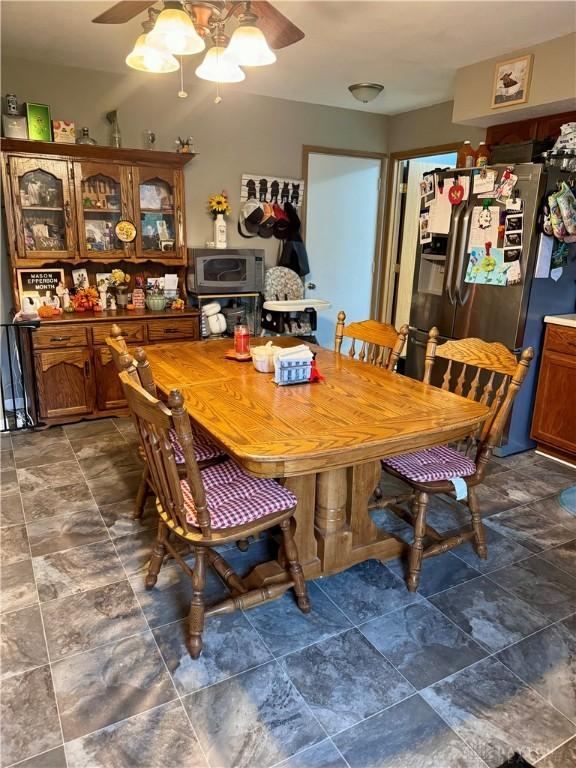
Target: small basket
(234,315)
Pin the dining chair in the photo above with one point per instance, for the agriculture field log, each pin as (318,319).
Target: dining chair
(138,367)
(488,373)
(380,343)
(208,507)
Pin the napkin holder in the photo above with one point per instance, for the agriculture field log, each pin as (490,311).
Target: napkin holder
(293,365)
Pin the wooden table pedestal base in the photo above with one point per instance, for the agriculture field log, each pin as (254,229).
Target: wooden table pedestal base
(333,527)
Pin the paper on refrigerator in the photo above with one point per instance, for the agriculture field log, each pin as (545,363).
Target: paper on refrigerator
(440,211)
(483,227)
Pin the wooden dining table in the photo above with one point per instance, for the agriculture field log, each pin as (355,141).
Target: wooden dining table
(323,440)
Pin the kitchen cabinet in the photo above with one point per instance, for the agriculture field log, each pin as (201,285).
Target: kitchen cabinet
(75,374)
(103,198)
(109,393)
(63,201)
(554,421)
(65,384)
(158,199)
(44,225)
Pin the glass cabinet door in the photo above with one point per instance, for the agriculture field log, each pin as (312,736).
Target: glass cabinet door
(43,209)
(160,225)
(103,200)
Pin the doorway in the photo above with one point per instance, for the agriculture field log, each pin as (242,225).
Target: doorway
(343,230)
(405,174)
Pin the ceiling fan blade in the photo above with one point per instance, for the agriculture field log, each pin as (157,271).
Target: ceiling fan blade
(279,31)
(123,11)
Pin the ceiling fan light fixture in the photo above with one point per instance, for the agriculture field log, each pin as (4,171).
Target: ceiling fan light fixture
(248,47)
(147,57)
(217,68)
(175,31)
(365,92)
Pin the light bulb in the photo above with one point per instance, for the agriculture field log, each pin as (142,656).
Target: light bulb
(218,69)
(146,57)
(248,47)
(175,32)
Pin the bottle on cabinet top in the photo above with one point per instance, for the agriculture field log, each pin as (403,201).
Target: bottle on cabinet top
(482,155)
(466,156)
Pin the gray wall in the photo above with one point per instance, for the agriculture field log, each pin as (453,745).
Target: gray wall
(429,127)
(243,134)
(552,87)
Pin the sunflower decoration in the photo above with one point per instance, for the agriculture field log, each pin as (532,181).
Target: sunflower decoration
(219,204)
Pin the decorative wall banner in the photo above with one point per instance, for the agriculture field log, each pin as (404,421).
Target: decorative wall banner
(271,189)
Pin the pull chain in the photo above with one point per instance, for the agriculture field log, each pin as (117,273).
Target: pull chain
(182,93)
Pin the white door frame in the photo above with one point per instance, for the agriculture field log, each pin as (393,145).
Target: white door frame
(378,262)
(389,266)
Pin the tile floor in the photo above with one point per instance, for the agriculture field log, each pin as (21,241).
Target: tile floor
(95,674)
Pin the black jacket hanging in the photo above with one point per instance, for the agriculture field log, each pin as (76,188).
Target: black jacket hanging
(294,254)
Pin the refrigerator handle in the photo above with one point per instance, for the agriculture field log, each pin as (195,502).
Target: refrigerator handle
(462,252)
(450,255)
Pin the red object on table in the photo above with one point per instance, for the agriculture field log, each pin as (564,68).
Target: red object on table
(315,374)
(242,340)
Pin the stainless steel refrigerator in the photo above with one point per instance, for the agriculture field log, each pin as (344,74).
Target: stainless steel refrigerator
(512,315)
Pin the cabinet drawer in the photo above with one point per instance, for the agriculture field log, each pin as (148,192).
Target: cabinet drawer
(166,330)
(561,338)
(132,332)
(60,336)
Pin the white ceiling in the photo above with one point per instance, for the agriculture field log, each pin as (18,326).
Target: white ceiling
(413,47)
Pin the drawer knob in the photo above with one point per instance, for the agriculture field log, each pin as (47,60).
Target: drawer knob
(170,330)
(60,338)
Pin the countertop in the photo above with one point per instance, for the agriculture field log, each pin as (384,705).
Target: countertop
(568,320)
(120,314)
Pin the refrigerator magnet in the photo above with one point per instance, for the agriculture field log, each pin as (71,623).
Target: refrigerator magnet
(456,192)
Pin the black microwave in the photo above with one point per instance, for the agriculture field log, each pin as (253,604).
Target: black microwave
(225,270)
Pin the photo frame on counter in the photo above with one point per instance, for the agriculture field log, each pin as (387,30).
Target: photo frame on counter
(33,283)
(39,122)
(80,278)
(14,126)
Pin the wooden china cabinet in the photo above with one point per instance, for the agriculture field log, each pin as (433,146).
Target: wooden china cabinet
(61,205)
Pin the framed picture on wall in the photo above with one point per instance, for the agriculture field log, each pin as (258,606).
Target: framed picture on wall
(512,81)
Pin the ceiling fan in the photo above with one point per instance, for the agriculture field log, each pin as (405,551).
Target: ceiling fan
(280,32)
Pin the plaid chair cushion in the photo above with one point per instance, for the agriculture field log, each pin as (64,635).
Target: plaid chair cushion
(437,463)
(204,448)
(235,498)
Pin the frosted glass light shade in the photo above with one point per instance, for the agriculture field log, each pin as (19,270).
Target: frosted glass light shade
(218,69)
(148,58)
(175,32)
(248,47)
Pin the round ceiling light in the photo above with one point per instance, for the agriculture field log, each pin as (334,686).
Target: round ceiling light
(365,92)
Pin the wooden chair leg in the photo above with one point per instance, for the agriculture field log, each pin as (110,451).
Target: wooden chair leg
(477,524)
(141,494)
(157,556)
(419,505)
(294,566)
(197,608)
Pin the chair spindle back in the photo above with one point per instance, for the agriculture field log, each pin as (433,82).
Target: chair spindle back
(153,421)
(483,371)
(380,343)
